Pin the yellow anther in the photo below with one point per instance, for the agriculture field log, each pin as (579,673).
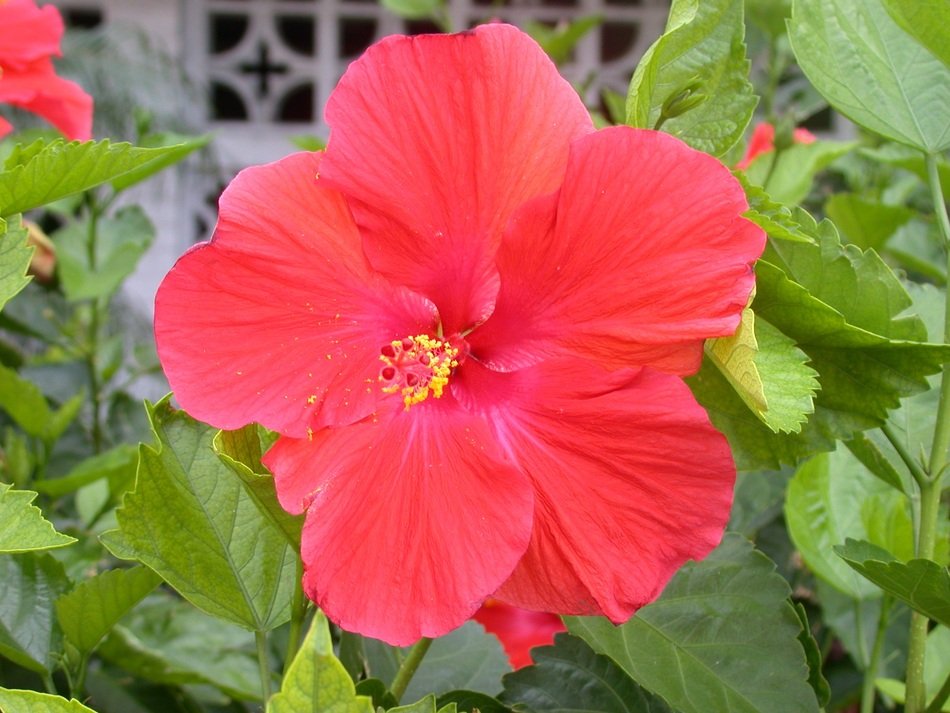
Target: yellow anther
(417,367)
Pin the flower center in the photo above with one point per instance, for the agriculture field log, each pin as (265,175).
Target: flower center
(417,367)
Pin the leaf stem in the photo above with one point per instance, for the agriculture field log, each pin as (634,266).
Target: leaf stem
(262,661)
(92,347)
(913,466)
(298,612)
(407,669)
(870,674)
(942,695)
(930,488)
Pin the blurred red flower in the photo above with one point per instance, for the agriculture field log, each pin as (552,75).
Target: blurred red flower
(29,38)
(518,630)
(468,319)
(763,141)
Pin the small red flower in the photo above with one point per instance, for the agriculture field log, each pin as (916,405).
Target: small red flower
(518,630)
(29,38)
(763,141)
(468,319)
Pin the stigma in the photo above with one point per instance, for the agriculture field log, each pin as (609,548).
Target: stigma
(417,367)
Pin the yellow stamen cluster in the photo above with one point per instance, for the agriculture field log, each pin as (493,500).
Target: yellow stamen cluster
(417,367)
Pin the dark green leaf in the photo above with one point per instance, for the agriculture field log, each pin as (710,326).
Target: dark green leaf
(722,637)
(570,677)
(923,584)
(166,640)
(192,521)
(927,21)
(469,702)
(694,80)
(316,681)
(15,257)
(22,525)
(33,702)
(90,610)
(872,71)
(121,242)
(45,172)
(759,498)
(814,658)
(241,451)
(29,586)
(832,497)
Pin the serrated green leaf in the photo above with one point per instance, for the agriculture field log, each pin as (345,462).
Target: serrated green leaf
(922,584)
(241,451)
(471,702)
(316,681)
(176,147)
(423,705)
(773,217)
(466,658)
(571,676)
(927,21)
(831,498)
(120,243)
(29,585)
(12,701)
(866,223)
(722,637)
(24,402)
(166,640)
(45,172)
(814,657)
(90,610)
(15,257)
(696,77)
(788,175)
(872,71)
(22,525)
(192,521)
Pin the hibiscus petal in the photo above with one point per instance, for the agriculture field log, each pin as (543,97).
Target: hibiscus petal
(62,102)
(640,257)
(436,140)
(28,32)
(518,630)
(278,319)
(630,480)
(413,518)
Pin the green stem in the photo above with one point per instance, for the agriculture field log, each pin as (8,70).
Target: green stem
(913,466)
(870,674)
(930,488)
(92,347)
(407,669)
(263,663)
(942,695)
(298,612)
(48,684)
(77,686)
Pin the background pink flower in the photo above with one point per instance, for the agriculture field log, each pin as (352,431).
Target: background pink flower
(469,320)
(763,141)
(518,630)
(29,37)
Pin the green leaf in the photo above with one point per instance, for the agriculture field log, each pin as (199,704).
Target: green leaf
(423,705)
(923,584)
(316,680)
(558,42)
(774,218)
(176,147)
(927,21)
(32,702)
(415,9)
(15,257)
(936,669)
(23,527)
(758,501)
(241,451)
(466,658)
(694,80)
(192,521)
(872,71)
(116,463)
(471,702)
(722,637)
(866,223)
(831,498)
(790,178)
(29,586)
(90,611)
(571,676)
(121,242)
(813,656)
(166,640)
(24,402)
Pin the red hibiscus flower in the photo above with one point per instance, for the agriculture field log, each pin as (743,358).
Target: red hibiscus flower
(763,141)
(29,37)
(468,319)
(518,630)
